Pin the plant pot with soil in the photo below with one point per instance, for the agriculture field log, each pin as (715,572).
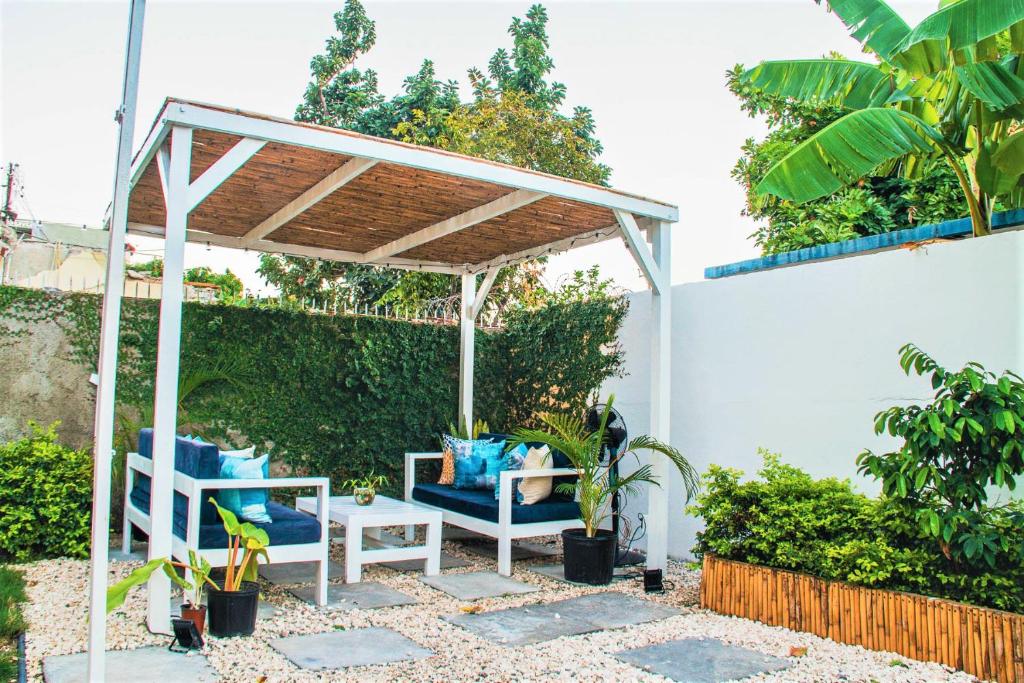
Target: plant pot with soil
(589,553)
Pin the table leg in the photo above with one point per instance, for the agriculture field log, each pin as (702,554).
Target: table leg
(373,532)
(353,552)
(433,564)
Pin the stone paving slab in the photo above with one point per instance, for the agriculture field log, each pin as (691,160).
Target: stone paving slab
(457,533)
(343,649)
(136,555)
(447,562)
(520,551)
(701,660)
(292,573)
(142,665)
(350,596)
(476,585)
(557,572)
(538,623)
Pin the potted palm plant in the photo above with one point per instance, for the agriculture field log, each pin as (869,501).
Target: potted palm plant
(193,608)
(589,553)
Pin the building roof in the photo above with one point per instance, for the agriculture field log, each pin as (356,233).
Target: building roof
(324,192)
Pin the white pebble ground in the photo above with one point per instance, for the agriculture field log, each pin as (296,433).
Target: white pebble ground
(58,595)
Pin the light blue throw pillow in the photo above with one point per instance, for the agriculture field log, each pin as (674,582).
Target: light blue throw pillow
(513,460)
(493,455)
(249,504)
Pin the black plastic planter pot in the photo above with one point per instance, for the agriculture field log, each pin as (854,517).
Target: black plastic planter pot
(588,560)
(233,613)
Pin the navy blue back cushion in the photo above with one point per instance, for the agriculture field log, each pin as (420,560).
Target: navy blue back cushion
(194,459)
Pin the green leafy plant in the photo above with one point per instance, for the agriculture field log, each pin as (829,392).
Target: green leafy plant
(12,621)
(594,485)
(968,438)
(370,481)
(247,543)
(947,91)
(45,497)
(192,590)
(461,432)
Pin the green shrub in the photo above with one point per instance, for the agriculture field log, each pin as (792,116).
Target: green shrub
(45,498)
(788,520)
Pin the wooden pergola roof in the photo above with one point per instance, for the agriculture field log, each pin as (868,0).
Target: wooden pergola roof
(269,184)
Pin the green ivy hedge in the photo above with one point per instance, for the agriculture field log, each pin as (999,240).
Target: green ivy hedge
(339,395)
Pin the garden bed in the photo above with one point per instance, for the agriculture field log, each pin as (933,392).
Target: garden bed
(984,642)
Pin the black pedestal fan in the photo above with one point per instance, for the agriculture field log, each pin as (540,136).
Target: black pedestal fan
(615,436)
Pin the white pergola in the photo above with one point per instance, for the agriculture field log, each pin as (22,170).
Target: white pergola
(219,176)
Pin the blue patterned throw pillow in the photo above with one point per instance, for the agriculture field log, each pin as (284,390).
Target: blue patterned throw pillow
(513,460)
(249,504)
(468,466)
(493,455)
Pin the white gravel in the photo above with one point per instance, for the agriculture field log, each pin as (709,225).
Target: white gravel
(58,601)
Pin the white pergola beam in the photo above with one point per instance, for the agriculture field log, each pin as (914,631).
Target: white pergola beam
(592,237)
(501,205)
(168,357)
(163,164)
(481,294)
(467,350)
(661,396)
(350,144)
(350,170)
(222,169)
(638,248)
(269,247)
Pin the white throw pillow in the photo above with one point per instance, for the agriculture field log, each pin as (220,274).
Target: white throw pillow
(535,489)
(241,453)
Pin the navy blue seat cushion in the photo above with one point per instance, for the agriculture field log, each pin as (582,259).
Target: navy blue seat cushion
(290,527)
(482,505)
(193,458)
(558,458)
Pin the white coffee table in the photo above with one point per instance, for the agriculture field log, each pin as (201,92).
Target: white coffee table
(382,512)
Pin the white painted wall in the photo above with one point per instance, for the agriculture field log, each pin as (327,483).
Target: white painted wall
(798,360)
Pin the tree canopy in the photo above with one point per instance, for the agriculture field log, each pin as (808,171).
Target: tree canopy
(513,116)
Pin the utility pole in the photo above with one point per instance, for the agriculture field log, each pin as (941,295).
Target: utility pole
(8,214)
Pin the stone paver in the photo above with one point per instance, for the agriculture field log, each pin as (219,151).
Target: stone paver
(342,649)
(520,551)
(447,562)
(457,533)
(557,572)
(292,573)
(363,595)
(701,660)
(476,585)
(142,665)
(538,623)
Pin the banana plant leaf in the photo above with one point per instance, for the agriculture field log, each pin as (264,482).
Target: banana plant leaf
(847,150)
(993,180)
(1009,156)
(852,85)
(967,29)
(872,23)
(992,83)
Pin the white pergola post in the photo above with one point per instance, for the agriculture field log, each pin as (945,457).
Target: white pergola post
(661,394)
(165,417)
(467,348)
(103,426)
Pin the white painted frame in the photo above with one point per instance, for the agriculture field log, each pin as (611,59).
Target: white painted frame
(503,530)
(193,489)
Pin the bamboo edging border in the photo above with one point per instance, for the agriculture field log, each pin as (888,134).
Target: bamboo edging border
(986,643)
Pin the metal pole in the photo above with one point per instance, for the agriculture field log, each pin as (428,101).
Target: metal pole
(103,434)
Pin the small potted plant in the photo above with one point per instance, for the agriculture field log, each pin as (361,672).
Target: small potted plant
(192,591)
(232,609)
(588,554)
(364,489)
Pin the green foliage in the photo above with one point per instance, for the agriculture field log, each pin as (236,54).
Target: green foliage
(246,544)
(946,91)
(594,488)
(229,286)
(339,396)
(969,438)
(45,498)
(12,622)
(882,201)
(514,117)
(788,520)
(370,481)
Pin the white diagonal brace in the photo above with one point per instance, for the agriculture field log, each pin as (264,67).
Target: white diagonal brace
(350,170)
(639,249)
(481,294)
(163,165)
(222,169)
(501,205)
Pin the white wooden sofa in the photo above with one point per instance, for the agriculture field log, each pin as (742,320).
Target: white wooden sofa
(501,519)
(294,536)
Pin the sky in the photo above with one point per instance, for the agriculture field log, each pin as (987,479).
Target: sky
(652,72)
